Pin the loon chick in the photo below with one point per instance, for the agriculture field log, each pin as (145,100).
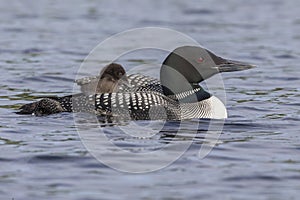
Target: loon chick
(177,95)
(108,80)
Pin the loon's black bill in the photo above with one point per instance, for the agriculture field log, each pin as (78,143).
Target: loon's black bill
(232,65)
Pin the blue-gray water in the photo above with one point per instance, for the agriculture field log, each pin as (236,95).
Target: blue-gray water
(257,157)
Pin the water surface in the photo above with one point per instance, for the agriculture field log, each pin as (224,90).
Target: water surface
(42,46)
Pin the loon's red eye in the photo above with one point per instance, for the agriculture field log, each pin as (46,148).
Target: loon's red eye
(200,60)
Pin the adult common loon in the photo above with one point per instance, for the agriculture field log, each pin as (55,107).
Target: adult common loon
(176,96)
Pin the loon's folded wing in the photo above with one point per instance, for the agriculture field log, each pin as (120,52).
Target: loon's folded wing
(86,80)
(88,84)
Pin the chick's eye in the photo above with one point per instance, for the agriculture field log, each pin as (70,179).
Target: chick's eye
(119,74)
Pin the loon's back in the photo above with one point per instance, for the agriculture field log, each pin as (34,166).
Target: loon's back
(133,83)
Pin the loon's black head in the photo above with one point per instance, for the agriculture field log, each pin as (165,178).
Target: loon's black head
(187,66)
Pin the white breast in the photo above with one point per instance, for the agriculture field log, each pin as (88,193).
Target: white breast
(211,108)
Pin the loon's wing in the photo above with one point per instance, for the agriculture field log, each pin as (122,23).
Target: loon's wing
(86,80)
(129,105)
(88,84)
